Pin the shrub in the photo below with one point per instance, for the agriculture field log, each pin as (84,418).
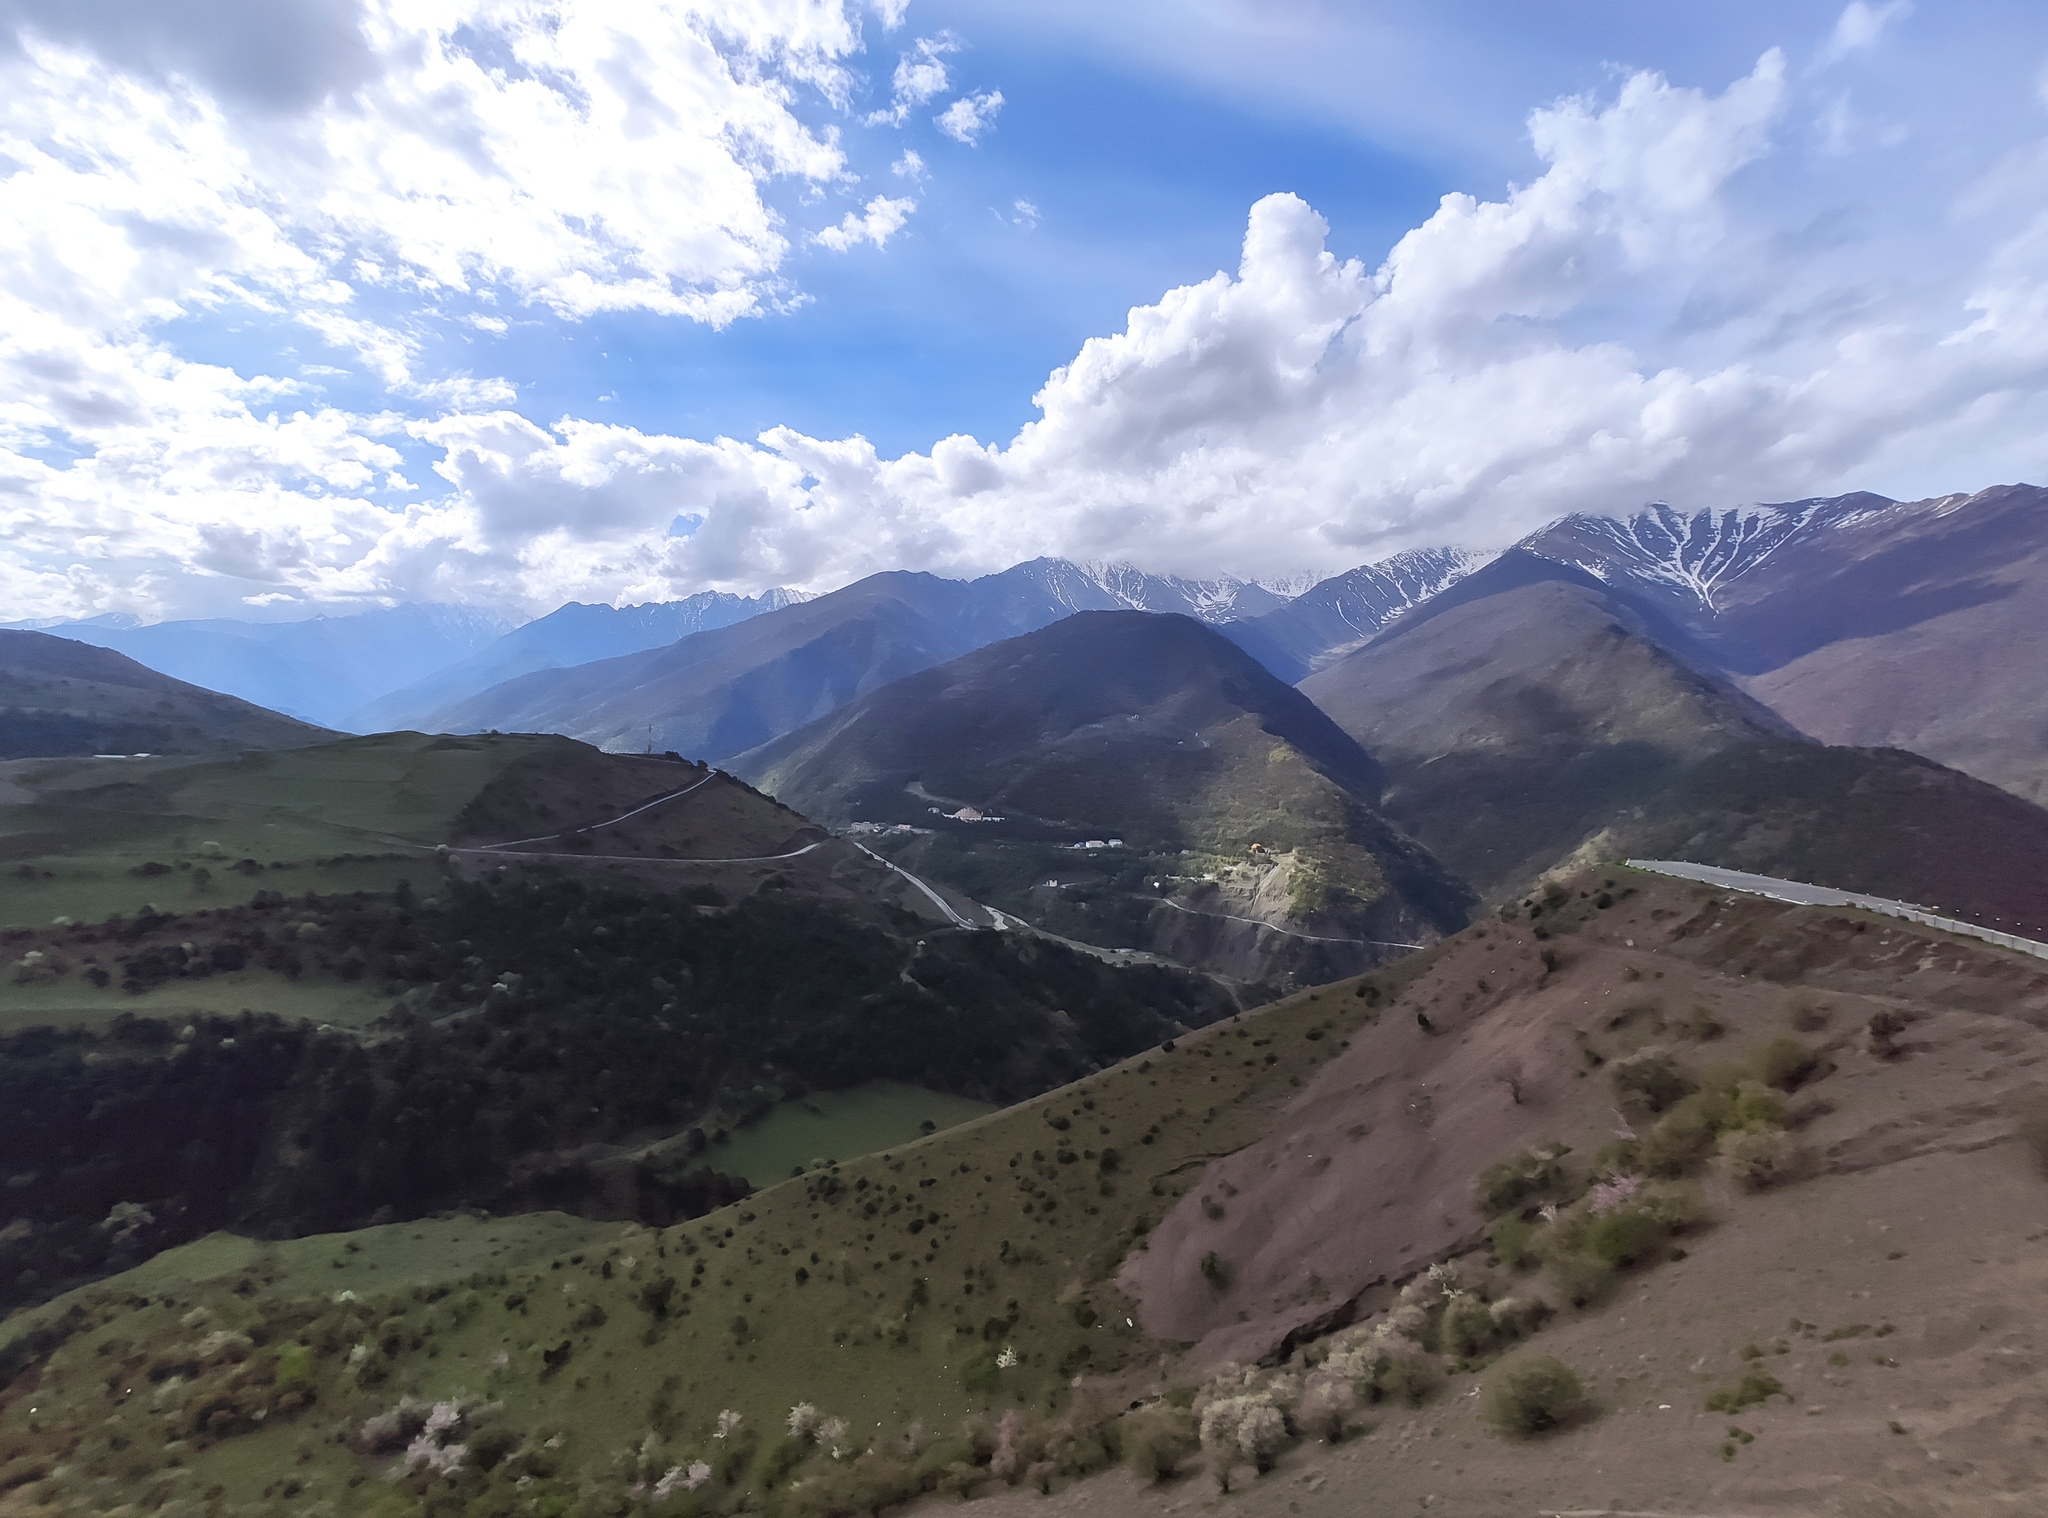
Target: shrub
(1328,1396)
(1625,1235)
(1684,1136)
(1514,1239)
(1406,1376)
(1156,1440)
(1215,1271)
(1758,1106)
(1533,1396)
(1534,1175)
(1580,1279)
(1515,1316)
(1651,1081)
(1756,1386)
(1881,1033)
(1762,1159)
(1468,1328)
(1785,1062)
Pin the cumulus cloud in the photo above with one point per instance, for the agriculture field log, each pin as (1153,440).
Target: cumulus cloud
(1625,325)
(910,166)
(347,168)
(880,220)
(1860,26)
(920,76)
(970,116)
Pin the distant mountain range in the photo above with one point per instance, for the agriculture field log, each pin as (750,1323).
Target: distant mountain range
(61,698)
(1920,625)
(1533,716)
(720,692)
(319,670)
(573,634)
(1334,616)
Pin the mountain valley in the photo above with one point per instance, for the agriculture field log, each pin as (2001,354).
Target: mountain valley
(1287,1093)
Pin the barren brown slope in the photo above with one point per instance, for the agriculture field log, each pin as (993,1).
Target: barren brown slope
(1917,624)
(1529,717)
(60,698)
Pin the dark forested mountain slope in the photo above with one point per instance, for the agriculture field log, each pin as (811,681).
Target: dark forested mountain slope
(1245,824)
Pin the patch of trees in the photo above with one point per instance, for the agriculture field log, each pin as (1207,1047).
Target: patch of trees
(529,1023)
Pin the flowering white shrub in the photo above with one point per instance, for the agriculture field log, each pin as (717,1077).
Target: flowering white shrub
(728,1421)
(1612,1193)
(1325,1399)
(442,1459)
(803,1420)
(1007,1359)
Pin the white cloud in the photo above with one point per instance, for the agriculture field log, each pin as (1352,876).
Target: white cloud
(910,166)
(920,76)
(569,156)
(1860,26)
(1022,214)
(969,116)
(1303,408)
(877,223)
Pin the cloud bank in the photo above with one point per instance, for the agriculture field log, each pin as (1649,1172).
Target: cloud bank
(1635,322)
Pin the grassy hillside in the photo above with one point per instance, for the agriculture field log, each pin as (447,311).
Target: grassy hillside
(1802,1269)
(577,1020)
(60,698)
(1250,841)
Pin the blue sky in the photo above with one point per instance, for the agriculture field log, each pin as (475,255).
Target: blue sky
(318,303)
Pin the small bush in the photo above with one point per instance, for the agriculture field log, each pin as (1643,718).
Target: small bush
(1757,1106)
(1651,1081)
(1407,1376)
(1468,1328)
(1756,1386)
(1514,1241)
(1534,1175)
(1580,1279)
(1156,1440)
(1532,1396)
(1684,1136)
(1761,1159)
(1624,1236)
(1882,1032)
(1785,1062)
(1215,1271)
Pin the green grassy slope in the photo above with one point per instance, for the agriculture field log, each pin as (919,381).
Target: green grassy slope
(924,1295)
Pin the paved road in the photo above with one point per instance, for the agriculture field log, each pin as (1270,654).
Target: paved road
(513,843)
(936,899)
(1372,943)
(500,851)
(1802,894)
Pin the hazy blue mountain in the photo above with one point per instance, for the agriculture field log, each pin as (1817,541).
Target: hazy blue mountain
(717,693)
(60,697)
(573,634)
(1331,618)
(320,669)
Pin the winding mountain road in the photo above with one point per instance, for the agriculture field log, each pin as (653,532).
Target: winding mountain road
(1799,893)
